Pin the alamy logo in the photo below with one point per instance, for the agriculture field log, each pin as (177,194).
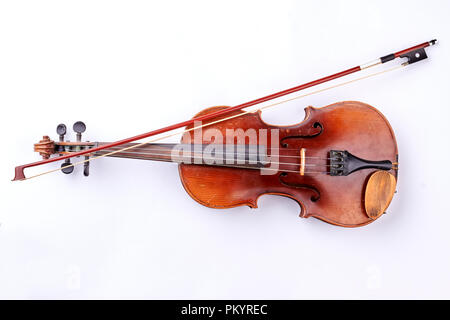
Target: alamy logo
(235,148)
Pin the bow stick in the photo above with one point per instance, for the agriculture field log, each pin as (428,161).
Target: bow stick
(413,54)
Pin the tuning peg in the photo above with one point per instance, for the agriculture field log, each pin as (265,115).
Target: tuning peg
(61,131)
(64,167)
(86,166)
(79,127)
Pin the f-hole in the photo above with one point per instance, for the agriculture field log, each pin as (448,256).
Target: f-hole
(316,192)
(309,136)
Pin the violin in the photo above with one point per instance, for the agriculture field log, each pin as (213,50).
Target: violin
(340,164)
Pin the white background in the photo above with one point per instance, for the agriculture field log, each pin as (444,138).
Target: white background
(131,231)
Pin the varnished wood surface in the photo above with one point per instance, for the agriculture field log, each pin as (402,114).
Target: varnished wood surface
(45,147)
(379,192)
(353,126)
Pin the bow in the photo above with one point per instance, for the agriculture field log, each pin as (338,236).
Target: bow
(413,54)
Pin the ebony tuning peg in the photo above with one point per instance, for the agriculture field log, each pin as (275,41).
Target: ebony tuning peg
(79,127)
(66,167)
(61,131)
(86,166)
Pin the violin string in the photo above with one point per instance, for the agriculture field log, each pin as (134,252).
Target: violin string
(157,145)
(221,153)
(213,158)
(247,167)
(220,120)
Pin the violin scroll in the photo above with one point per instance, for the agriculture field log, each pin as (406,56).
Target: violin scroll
(45,147)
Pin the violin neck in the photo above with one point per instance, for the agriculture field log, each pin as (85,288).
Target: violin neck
(195,154)
(156,151)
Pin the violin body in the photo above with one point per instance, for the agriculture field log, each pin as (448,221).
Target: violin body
(340,200)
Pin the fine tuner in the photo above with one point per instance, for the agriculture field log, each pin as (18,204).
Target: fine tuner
(340,164)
